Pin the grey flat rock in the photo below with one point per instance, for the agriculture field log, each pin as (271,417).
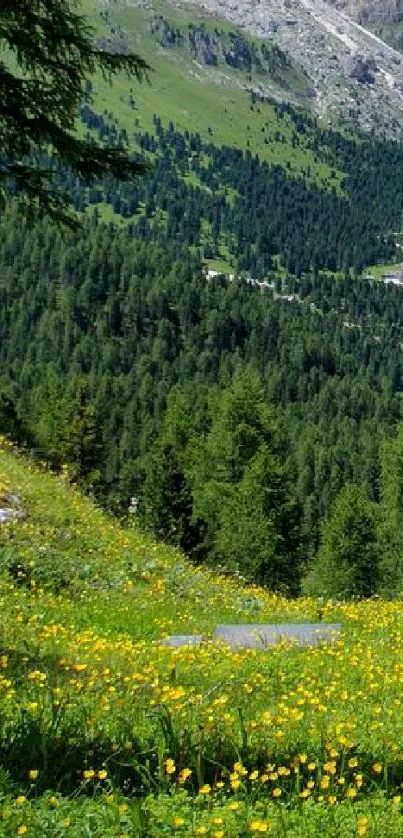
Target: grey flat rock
(183,640)
(257,636)
(7,514)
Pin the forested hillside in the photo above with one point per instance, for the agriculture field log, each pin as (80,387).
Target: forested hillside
(233,205)
(244,418)
(119,358)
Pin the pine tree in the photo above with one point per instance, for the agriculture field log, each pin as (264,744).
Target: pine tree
(391,526)
(347,564)
(51,53)
(242,488)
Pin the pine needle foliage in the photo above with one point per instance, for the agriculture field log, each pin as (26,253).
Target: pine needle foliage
(47,55)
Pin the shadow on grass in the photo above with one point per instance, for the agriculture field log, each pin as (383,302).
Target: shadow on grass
(60,749)
(61,759)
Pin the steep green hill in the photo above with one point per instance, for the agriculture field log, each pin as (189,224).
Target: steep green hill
(106,732)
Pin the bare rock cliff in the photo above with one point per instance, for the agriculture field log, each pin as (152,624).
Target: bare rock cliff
(371,12)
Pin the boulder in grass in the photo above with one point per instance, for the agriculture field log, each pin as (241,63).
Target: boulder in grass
(10,509)
(261,636)
(183,640)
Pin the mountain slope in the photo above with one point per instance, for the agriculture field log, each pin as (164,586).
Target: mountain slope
(105,731)
(353,73)
(371,11)
(383,17)
(196,87)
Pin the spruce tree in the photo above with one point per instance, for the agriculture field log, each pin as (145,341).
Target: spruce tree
(347,563)
(48,55)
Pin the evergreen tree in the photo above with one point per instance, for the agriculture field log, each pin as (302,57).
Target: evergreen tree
(166,502)
(241,488)
(259,531)
(391,525)
(79,441)
(347,564)
(54,51)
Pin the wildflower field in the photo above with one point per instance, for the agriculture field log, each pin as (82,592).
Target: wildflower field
(106,732)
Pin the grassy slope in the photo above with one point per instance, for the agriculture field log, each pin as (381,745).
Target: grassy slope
(183,91)
(85,686)
(378,270)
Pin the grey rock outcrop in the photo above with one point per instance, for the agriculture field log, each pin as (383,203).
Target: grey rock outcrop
(10,509)
(370,12)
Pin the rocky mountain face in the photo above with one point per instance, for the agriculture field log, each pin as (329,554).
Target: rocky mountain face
(354,74)
(383,17)
(371,12)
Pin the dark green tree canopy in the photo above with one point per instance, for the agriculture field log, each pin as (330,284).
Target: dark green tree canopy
(47,54)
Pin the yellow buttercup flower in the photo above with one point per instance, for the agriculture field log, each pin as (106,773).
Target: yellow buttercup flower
(259,826)
(170,766)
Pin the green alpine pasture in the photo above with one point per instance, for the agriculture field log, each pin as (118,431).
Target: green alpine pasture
(104,731)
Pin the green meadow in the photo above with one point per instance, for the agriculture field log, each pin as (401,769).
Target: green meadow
(104,731)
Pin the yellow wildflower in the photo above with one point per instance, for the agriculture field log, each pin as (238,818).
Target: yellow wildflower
(170,766)
(259,826)
(178,821)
